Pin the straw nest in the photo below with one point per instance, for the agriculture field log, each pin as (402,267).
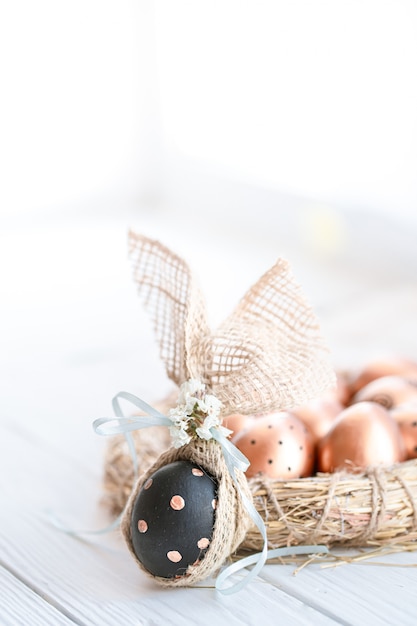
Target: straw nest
(375,507)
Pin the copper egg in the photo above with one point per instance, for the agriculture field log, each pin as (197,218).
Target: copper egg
(389,391)
(237,423)
(278,445)
(406,418)
(319,414)
(363,434)
(386,366)
(342,393)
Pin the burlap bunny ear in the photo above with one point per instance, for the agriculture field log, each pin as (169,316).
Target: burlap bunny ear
(267,356)
(172,299)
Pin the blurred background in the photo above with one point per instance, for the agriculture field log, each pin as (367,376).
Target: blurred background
(236,132)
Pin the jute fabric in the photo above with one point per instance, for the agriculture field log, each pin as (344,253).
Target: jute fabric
(267,355)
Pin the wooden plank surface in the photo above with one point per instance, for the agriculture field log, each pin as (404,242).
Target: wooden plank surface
(96,581)
(357,593)
(20,604)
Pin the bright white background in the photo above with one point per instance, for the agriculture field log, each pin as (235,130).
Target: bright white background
(101,100)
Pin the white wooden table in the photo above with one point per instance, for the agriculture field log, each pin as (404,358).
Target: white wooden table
(73,333)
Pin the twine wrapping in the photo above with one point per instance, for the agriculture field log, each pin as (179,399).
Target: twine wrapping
(231,520)
(377,506)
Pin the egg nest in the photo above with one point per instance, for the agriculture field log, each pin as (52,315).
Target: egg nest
(376,506)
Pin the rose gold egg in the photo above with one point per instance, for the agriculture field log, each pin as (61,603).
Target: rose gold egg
(406,417)
(363,434)
(236,423)
(342,393)
(318,415)
(278,445)
(387,366)
(389,391)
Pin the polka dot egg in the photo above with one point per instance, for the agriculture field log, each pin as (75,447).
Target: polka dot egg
(173,518)
(278,445)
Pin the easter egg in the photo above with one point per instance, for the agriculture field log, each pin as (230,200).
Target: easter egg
(406,417)
(389,391)
(278,445)
(363,434)
(319,414)
(173,517)
(237,423)
(342,393)
(383,366)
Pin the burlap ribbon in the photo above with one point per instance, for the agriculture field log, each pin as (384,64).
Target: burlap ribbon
(268,355)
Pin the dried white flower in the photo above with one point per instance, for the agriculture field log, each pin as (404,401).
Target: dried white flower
(213,404)
(204,430)
(190,390)
(195,415)
(179,436)
(179,415)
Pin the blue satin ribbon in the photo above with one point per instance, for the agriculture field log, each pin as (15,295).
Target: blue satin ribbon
(234,460)
(121,425)
(126,425)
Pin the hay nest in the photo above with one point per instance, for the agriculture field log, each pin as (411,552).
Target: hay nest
(375,507)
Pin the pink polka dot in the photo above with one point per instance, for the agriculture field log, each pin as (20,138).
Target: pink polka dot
(148,483)
(203,543)
(177,503)
(142,526)
(174,556)
(197,472)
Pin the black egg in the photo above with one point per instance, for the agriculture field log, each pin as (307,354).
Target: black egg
(173,518)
